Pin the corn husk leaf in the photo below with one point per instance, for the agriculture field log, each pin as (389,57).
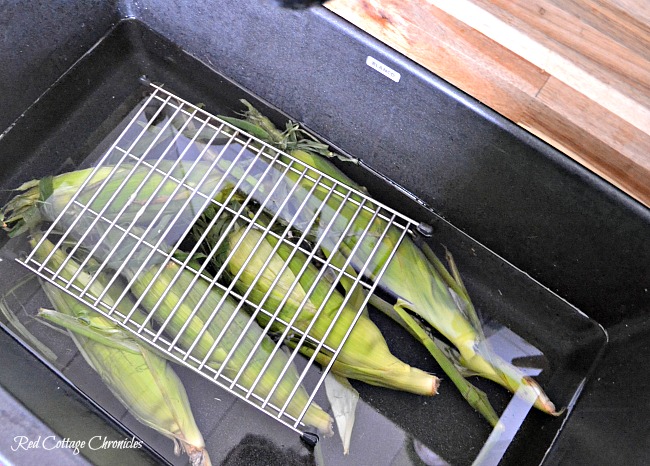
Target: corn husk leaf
(292,138)
(14,321)
(343,399)
(441,299)
(140,379)
(282,280)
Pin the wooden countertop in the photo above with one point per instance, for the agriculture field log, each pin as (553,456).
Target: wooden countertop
(574,72)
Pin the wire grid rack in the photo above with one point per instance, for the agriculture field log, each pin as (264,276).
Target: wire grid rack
(127,224)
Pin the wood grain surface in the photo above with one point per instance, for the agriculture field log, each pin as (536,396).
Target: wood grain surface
(574,72)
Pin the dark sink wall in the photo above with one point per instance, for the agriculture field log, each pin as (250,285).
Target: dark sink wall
(40,40)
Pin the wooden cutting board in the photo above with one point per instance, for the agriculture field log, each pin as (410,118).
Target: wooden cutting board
(574,72)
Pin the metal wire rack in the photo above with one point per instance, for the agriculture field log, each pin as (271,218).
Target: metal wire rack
(132,228)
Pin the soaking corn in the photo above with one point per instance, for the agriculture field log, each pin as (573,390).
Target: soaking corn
(140,379)
(364,356)
(420,282)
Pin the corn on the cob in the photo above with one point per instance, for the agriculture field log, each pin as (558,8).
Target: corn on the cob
(168,294)
(140,379)
(121,199)
(421,283)
(190,312)
(131,194)
(365,355)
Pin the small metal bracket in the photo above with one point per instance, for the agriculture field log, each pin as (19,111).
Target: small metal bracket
(310,439)
(425,230)
(144,80)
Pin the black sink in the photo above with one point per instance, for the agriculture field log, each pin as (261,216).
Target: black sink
(548,249)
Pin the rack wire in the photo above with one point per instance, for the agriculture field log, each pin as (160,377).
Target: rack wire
(129,227)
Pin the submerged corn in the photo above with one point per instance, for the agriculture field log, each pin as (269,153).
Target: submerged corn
(197,313)
(417,280)
(140,379)
(144,196)
(364,356)
(219,342)
(134,196)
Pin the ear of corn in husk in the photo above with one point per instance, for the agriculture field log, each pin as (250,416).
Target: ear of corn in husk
(176,304)
(140,379)
(423,289)
(314,308)
(203,319)
(129,194)
(426,290)
(220,342)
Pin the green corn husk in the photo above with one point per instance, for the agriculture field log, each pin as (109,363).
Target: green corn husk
(22,214)
(365,355)
(423,289)
(419,281)
(172,283)
(141,380)
(48,198)
(132,195)
(164,296)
